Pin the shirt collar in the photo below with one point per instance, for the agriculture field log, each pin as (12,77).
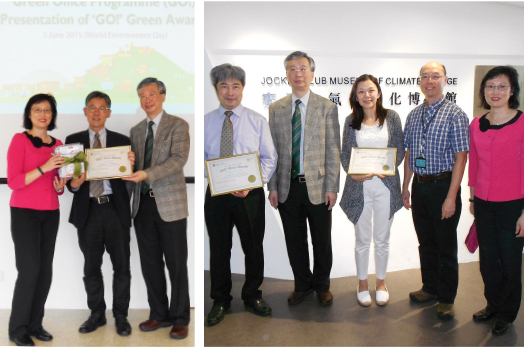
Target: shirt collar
(157,119)
(236,111)
(304,99)
(101,134)
(435,105)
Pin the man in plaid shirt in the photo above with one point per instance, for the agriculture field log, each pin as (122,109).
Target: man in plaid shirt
(436,137)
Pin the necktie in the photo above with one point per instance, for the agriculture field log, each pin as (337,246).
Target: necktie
(296,123)
(226,139)
(148,153)
(96,188)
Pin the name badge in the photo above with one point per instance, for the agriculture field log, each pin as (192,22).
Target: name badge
(420,162)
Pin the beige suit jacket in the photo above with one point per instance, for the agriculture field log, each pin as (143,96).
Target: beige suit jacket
(170,152)
(321,147)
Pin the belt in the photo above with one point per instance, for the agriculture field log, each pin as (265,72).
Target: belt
(150,193)
(102,199)
(300,178)
(432,178)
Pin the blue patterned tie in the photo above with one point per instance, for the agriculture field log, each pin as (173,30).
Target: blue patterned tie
(96,188)
(226,138)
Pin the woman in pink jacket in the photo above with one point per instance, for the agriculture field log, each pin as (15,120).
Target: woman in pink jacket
(32,175)
(496,178)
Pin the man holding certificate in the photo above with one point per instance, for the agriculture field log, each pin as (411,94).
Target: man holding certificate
(306,133)
(102,215)
(161,144)
(436,137)
(233,129)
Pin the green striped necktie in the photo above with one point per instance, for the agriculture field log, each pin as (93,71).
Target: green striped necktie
(148,153)
(296,123)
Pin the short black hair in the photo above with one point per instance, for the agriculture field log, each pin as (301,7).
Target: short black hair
(226,72)
(513,76)
(36,99)
(101,95)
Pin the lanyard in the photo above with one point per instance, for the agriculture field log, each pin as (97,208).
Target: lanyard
(425,128)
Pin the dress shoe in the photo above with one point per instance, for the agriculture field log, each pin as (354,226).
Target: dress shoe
(483,315)
(500,327)
(178,332)
(381,296)
(297,297)
(445,311)
(325,298)
(41,334)
(94,321)
(258,307)
(363,298)
(123,328)
(151,325)
(217,313)
(421,296)
(22,340)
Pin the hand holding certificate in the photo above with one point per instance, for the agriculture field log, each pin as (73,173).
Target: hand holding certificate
(366,161)
(107,163)
(234,174)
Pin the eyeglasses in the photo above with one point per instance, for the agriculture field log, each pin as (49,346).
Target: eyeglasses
(295,71)
(432,77)
(493,87)
(100,109)
(39,110)
(150,96)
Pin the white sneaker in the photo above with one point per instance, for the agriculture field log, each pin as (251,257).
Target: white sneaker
(363,298)
(381,296)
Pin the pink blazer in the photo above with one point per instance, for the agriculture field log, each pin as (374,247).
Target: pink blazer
(496,161)
(23,157)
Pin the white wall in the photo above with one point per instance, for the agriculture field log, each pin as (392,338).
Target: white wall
(348,39)
(67,289)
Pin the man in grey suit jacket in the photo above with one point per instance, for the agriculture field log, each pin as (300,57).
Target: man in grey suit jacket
(161,144)
(306,134)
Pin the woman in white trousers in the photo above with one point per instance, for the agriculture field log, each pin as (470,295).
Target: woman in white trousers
(371,200)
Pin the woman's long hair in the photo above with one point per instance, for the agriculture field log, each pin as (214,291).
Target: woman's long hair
(358,111)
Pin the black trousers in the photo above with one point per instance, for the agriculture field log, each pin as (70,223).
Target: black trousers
(295,212)
(34,235)
(158,241)
(437,238)
(500,255)
(104,231)
(248,215)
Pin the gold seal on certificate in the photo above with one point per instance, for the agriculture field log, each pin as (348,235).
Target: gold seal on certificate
(380,161)
(107,163)
(234,173)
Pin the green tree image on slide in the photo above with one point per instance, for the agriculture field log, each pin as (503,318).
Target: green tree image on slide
(117,74)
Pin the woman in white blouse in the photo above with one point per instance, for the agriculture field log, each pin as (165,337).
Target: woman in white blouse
(370,201)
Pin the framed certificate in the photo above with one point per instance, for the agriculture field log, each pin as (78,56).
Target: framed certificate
(235,173)
(108,163)
(380,161)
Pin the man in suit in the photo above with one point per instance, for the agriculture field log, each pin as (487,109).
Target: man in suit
(230,130)
(306,134)
(161,144)
(102,215)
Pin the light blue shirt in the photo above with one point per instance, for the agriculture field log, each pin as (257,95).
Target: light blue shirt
(303,109)
(250,134)
(102,135)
